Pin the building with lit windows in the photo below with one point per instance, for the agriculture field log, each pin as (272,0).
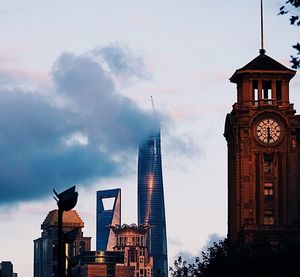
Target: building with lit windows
(101,263)
(151,206)
(131,241)
(45,247)
(106,216)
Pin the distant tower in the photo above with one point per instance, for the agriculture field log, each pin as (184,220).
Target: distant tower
(45,247)
(151,206)
(6,269)
(105,217)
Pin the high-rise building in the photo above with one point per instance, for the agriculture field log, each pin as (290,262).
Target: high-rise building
(263,138)
(6,269)
(131,240)
(45,247)
(151,206)
(106,216)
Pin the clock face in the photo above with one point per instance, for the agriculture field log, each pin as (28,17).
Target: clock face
(268,131)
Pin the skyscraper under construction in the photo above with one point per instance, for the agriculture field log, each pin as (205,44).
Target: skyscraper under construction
(151,205)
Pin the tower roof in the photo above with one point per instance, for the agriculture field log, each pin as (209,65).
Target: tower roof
(125,228)
(264,64)
(70,219)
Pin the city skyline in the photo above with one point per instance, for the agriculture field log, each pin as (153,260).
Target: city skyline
(181,53)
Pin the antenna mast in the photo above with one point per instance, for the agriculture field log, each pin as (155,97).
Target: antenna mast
(262,50)
(153,107)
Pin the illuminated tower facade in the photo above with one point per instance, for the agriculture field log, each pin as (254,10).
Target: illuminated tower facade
(151,206)
(263,138)
(107,215)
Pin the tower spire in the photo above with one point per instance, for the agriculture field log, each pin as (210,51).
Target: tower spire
(153,107)
(262,50)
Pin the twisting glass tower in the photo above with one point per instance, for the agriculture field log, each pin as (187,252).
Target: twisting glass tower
(151,206)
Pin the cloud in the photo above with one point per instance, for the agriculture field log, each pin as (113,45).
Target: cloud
(122,63)
(174,241)
(212,238)
(13,76)
(82,130)
(190,257)
(182,144)
(187,256)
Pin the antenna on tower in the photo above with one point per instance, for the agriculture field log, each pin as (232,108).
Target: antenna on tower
(154,114)
(153,107)
(262,50)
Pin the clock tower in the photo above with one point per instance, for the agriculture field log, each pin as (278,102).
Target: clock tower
(262,134)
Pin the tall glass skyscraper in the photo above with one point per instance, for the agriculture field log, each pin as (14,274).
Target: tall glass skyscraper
(105,238)
(151,205)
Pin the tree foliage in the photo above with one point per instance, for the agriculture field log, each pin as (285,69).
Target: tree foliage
(294,20)
(242,259)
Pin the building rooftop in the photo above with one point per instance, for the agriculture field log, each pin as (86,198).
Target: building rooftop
(134,228)
(70,219)
(262,63)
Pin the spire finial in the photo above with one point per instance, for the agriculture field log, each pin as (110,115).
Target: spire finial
(262,50)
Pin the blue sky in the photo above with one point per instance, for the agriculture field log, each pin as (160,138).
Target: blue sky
(75,85)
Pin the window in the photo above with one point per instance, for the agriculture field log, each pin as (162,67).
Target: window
(268,220)
(255,92)
(54,270)
(138,240)
(132,255)
(268,167)
(278,90)
(54,251)
(72,249)
(81,246)
(267,91)
(268,163)
(268,217)
(268,191)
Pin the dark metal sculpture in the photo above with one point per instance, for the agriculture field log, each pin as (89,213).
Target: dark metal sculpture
(66,201)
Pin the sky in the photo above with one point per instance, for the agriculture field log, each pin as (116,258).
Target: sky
(75,84)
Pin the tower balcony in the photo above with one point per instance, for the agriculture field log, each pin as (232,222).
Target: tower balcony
(264,104)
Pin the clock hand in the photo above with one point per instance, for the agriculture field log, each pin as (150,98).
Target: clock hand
(269,137)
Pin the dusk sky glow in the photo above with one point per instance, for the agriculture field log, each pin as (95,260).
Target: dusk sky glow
(75,84)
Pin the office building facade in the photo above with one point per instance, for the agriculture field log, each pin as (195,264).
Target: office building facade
(105,239)
(151,206)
